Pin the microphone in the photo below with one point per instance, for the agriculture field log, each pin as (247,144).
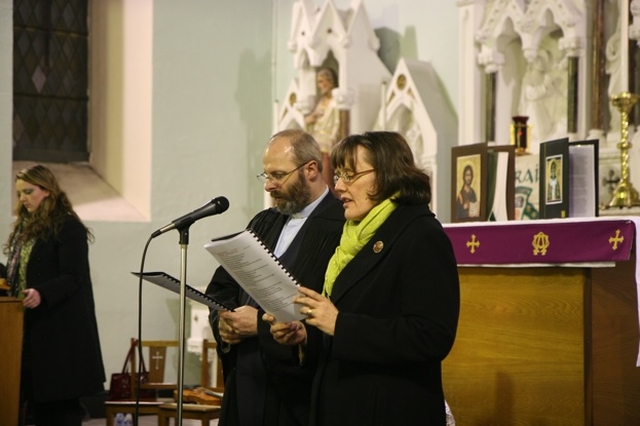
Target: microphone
(216,206)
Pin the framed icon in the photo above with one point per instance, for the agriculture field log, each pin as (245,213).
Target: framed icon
(554,179)
(468,183)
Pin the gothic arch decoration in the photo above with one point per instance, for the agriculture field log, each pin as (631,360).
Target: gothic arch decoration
(513,39)
(531,24)
(416,105)
(290,116)
(347,36)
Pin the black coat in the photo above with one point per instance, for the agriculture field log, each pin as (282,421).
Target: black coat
(398,302)
(61,349)
(286,385)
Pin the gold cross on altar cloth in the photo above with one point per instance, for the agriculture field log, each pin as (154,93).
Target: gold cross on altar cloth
(473,244)
(615,240)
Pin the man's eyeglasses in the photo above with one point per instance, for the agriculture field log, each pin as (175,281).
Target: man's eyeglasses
(348,179)
(278,177)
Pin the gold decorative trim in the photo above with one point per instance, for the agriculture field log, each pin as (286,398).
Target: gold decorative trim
(540,243)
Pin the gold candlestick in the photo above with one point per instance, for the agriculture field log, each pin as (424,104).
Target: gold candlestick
(624,195)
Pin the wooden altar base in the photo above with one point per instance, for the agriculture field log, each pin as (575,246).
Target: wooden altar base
(545,346)
(11,313)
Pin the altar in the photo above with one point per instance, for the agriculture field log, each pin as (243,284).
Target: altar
(549,323)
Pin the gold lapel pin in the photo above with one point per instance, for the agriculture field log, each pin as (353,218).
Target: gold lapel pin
(378,246)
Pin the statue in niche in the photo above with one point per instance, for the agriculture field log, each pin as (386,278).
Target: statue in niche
(324,121)
(612,68)
(544,93)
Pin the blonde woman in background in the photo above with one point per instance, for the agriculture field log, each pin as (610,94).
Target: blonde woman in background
(48,268)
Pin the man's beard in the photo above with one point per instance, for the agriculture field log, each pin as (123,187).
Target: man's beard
(295,199)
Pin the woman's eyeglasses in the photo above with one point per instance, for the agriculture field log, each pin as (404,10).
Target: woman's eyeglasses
(348,179)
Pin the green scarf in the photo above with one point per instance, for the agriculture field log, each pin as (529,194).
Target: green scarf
(354,236)
(18,261)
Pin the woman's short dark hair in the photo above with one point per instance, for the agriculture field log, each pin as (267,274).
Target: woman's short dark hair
(389,153)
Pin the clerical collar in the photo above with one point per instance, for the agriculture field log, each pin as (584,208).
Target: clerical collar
(294,224)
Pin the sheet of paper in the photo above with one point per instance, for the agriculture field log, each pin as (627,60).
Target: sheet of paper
(259,272)
(499,207)
(582,197)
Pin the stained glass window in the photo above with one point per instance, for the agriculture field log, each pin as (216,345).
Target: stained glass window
(50,80)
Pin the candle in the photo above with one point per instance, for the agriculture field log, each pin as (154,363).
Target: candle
(624,45)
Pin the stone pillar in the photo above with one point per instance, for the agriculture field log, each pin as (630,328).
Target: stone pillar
(634,56)
(598,63)
(490,106)
(470,75)
(492,62)
(572,96)
(344,102)
(572,47)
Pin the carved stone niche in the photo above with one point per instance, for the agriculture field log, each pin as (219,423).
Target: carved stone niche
(529,46)
(416,106)
(345,41)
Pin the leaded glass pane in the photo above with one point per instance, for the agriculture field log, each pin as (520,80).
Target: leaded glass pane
(50,80)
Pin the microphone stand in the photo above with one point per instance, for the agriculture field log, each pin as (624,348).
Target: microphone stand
(184,242)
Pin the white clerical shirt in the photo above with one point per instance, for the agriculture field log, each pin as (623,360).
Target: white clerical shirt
(293,225)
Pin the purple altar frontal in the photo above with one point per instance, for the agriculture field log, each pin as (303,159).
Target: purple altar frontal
(543,242)
(598,241)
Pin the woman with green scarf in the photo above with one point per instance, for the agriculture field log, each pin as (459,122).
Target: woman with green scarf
(388,313)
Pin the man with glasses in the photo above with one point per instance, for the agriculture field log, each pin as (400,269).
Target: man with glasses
(267,383)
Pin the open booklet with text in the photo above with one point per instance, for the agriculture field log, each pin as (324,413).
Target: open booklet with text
(259,272)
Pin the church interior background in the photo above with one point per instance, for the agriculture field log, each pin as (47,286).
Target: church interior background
(558,62)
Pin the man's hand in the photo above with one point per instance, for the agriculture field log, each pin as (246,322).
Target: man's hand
(238,325)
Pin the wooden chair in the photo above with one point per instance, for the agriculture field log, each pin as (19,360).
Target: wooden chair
(156,361)
(208,407)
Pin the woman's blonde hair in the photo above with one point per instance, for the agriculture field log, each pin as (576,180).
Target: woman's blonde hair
(48,218)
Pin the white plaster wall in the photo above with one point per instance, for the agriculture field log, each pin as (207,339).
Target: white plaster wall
(6,112)
(209,117)
(213,79)
(120,97)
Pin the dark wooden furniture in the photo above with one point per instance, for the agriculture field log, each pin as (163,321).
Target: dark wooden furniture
(11,317)
(205,411)
(156,362)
